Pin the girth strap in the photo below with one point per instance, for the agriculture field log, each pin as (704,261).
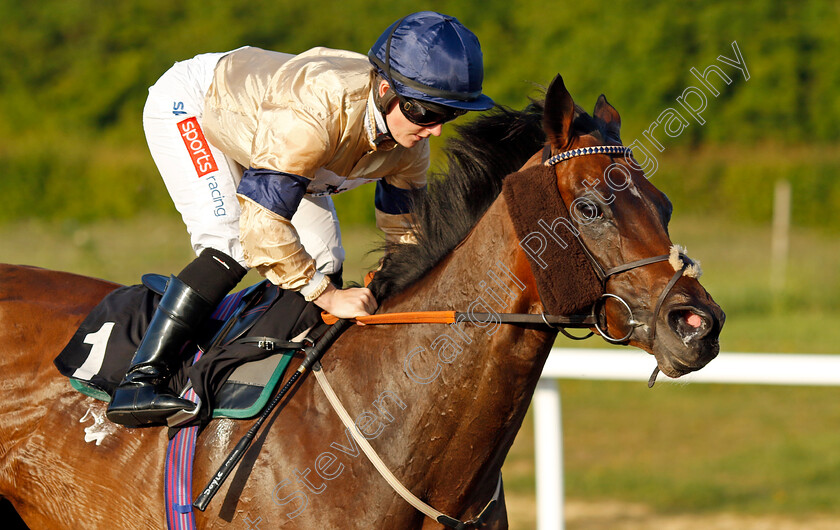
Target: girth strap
(383,470)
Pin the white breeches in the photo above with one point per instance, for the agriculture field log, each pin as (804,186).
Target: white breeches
(202,181)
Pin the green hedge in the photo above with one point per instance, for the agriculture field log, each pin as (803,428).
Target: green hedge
(75,77)
(739,183)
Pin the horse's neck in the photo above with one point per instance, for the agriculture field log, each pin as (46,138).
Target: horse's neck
(488,265)
(486,372)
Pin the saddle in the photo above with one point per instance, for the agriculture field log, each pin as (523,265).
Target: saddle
(233,366)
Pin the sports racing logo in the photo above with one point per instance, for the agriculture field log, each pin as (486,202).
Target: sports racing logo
(197,147)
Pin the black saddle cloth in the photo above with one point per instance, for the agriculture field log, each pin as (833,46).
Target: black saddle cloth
(101,350)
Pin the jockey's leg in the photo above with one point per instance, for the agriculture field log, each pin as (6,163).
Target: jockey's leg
(202,182)
(142,398)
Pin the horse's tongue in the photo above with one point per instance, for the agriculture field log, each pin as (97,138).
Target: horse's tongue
(694,320)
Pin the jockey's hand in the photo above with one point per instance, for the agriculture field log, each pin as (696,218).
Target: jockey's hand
(347,303)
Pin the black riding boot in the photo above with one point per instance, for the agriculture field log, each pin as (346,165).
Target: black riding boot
(142,398)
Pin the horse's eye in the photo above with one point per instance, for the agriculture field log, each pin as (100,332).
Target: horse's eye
(589,210)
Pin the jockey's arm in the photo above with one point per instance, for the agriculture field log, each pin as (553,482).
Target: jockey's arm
(393,202)
(268,199)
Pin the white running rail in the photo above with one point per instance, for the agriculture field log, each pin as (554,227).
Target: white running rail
(634,365)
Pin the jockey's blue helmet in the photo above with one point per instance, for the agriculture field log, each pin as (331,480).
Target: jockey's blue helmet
(432,57)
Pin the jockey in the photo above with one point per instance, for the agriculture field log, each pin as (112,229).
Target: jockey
(252,143)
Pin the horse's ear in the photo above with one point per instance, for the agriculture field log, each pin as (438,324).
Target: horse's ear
(607,113)
(558,114)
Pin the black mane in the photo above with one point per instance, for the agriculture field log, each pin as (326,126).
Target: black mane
(484,151)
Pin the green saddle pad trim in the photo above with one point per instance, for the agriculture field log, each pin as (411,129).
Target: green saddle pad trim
(90,390)
(253,410)
(267,390)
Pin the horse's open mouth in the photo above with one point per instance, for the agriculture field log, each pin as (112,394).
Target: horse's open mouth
(693,341)
(690,324)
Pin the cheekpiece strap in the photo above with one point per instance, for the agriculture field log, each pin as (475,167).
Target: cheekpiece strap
(595,150)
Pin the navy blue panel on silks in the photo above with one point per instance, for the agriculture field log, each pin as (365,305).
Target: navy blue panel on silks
(277,191)
(391,199)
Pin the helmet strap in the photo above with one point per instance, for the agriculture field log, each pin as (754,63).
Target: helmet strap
(383,103)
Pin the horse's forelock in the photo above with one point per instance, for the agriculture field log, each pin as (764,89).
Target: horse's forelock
(584,124)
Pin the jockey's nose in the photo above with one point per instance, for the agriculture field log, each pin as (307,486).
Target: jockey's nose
(435,130)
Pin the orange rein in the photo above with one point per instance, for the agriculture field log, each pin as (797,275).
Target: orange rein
(450,317)
(413,317)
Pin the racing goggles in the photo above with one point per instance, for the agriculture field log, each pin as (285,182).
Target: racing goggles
(427,114)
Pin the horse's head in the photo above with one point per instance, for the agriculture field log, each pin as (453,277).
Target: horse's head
(621,220)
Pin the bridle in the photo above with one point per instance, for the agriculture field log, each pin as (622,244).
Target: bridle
(679,261)
(675,256)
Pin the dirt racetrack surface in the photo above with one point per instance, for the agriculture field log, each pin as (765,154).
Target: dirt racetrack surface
(613,515)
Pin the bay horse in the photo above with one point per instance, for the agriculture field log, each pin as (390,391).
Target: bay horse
(441,404)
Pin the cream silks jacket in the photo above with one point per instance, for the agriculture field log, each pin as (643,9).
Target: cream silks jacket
(304,124)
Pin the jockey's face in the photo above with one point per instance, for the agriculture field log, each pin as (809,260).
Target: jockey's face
(406,133)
